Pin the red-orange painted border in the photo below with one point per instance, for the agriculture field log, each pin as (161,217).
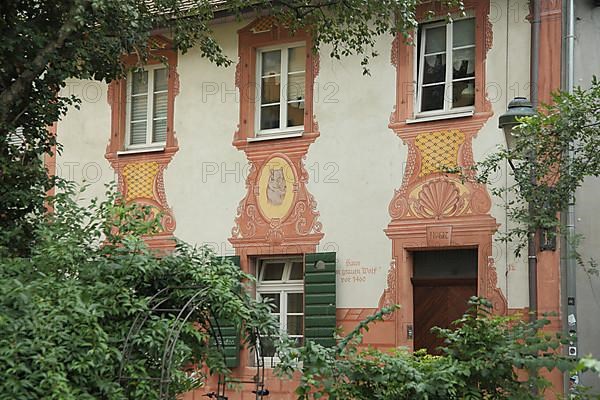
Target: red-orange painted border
(435,201)
(162,51)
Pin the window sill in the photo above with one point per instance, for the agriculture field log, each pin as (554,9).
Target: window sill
(140,150)
(274,136)
(439,117)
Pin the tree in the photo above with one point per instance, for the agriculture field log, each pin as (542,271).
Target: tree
(480,359)
(46,42)
(66,311)
(564,138)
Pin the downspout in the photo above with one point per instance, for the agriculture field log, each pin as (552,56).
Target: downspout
(534,67)
(571,262)
(535,52)
(531,245)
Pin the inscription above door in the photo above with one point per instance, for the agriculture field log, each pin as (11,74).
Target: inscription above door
(439,236)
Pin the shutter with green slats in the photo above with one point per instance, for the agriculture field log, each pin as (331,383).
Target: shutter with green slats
(319,298)
(230,334)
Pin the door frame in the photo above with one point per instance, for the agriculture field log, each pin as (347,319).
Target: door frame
(462,234)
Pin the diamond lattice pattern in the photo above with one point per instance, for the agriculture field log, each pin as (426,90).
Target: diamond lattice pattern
(439,150)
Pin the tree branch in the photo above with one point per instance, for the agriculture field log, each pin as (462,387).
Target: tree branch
(18,88)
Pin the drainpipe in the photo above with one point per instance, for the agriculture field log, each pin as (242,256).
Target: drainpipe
(531,235)
(571,263)
(535,72)
(535,52)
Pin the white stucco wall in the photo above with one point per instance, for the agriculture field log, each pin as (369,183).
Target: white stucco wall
(84,134)
(507,77)
(205,181)
(359,163)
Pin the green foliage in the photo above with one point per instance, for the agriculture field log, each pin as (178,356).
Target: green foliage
(568,126)
(480,360)
(46,42)
(66,310)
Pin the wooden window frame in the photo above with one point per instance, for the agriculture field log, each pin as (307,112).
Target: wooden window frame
(283,99)
(404,58)
(282,287)
(449,79)
(262,34)
(161,54)
(151,69)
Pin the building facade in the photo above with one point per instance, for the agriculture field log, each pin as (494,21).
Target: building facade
(330,186)
(583,66)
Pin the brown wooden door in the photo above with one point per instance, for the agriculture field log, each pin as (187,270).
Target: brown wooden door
(438,302)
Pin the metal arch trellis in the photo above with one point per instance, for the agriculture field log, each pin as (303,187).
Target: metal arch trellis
(184,312)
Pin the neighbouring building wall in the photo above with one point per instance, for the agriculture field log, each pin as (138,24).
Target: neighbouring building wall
(587,64)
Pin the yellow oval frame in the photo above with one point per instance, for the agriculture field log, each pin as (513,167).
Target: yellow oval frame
(271,211)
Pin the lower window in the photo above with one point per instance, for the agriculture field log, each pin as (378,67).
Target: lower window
(280,282)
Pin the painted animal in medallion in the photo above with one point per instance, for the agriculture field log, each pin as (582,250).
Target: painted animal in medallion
(276,186)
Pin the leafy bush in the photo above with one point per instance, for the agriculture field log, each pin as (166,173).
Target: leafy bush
(65,311)
(480,360)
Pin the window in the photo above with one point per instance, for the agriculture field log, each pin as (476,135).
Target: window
(446,67)
(281,76)
(147,95)
(16,139)
(281,283)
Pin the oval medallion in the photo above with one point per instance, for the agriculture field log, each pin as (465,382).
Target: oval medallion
(276,188)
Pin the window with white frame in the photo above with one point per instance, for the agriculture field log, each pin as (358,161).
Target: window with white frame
(281,77)
(281,283)
(147,95)
(446,67)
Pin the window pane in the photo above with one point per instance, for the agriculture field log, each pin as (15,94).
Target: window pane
(295,324)
(463,93)
(295,114)
(435,40)
(271,89)
(271,63)
(272,271)
(139,82)
(295,302)
(160,105)
(297,59)
(139,108)
(434,70)
(464,32)
(432,98)
(295,89)
(463,63)
(159,131)
(273,299)
(160,79)
(296,274)
(137,133)
(269,117)
(159,127)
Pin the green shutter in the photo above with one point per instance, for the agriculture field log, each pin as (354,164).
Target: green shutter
(319,298)
(231,335)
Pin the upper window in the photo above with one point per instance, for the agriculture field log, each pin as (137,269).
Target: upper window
(147,104)
(281,282)
(281,78)
(446,67)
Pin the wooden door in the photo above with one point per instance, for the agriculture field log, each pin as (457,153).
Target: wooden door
(438,302)
(443,282)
